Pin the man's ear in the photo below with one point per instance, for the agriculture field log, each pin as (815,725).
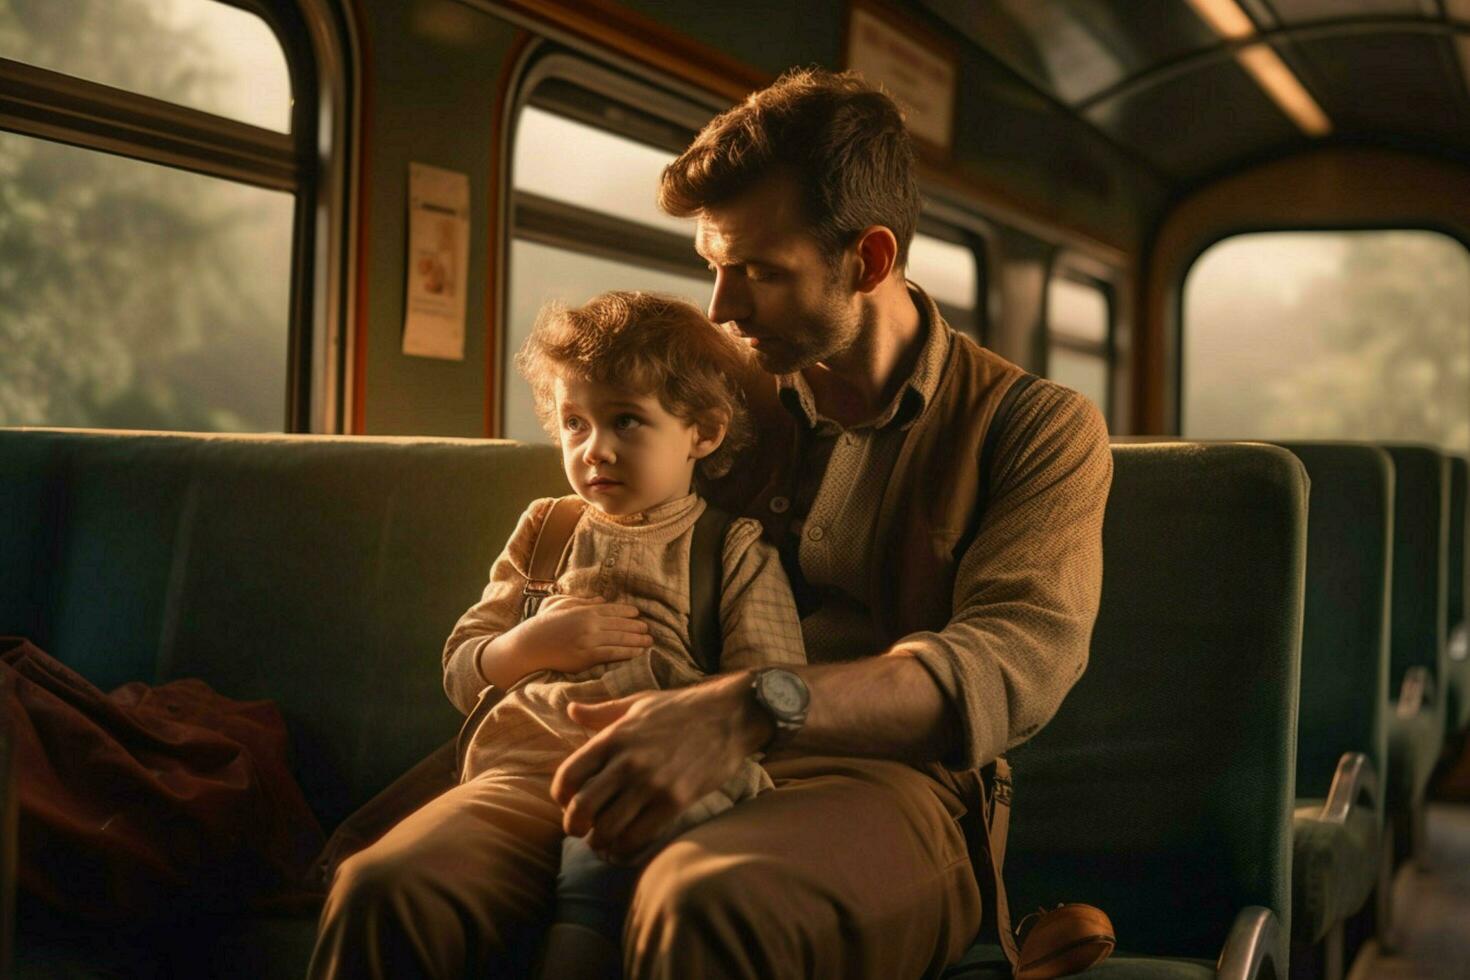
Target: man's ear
(877,252)
(709,432)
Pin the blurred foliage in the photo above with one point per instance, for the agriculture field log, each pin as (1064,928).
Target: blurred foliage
(133,295)
(1374,344)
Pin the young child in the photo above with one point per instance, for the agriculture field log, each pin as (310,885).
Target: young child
(640,392)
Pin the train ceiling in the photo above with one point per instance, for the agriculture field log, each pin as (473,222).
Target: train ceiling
(1199,87)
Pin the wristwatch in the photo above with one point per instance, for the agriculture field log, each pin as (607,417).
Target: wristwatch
(784,696)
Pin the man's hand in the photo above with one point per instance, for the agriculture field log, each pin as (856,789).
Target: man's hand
(656,754)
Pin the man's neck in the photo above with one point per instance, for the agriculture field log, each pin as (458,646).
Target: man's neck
(855,386)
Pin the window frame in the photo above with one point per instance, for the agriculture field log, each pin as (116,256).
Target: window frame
(311,162)
(1084,271)
(558,224)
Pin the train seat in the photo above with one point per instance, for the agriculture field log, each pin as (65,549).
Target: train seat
(1457,651)
(1163,789)
(1343,728)
(322,573)
(1417,644)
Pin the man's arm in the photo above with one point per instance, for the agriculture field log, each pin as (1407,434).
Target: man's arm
(1025,598)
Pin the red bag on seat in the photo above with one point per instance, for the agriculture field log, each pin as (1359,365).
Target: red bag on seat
(149,798)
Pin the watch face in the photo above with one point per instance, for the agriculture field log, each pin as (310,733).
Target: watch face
(783,691)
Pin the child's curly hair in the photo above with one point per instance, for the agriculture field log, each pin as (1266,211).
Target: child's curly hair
(651,344)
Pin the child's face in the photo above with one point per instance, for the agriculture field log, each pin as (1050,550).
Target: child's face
(624,453)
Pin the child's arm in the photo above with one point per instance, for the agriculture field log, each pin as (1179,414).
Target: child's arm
(569,634)
(490,644)
(757,612)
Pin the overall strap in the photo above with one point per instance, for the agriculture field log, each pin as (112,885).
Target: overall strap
(553,542)
(706,575)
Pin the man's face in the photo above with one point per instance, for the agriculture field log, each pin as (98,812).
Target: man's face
(774,287)
(623,452)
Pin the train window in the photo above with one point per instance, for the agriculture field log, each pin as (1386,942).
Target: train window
(563,159)
(139,296)
(1337,335)
(197,53)
(584,178)
(171,246)
(1079,329)
(950,273)
(589,147)
(541,273)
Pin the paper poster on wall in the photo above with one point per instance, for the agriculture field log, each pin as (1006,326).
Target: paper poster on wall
(438,262)
(917,70)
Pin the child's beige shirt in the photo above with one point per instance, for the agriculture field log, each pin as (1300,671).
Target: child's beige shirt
(642,561)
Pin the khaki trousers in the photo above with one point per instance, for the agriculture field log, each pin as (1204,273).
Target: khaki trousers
(849,868)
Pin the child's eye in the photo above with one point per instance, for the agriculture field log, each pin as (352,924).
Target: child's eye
(625,423)
(571,423)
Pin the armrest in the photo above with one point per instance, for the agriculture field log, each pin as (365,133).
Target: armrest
(1416,691)
(1355,777)
(1252,948)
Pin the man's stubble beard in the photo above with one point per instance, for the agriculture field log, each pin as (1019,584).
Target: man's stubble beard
(837,331)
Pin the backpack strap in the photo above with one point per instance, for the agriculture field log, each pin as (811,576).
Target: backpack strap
(706,579)
(549,553)
(998,424)
(995,779)
(997,809)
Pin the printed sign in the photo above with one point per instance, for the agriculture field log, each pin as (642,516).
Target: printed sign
(438,262)
(919,74)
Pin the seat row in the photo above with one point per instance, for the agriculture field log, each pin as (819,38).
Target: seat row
(1250,591)
(1245,760)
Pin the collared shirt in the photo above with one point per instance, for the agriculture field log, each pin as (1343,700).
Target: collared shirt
(837,486)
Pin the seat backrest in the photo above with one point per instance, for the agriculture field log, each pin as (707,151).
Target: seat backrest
(1420,558)
(1162,790)
(1345,623)
(322,573)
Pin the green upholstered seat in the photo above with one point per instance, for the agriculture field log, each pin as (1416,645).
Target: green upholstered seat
(1421,508)
(1334,867)
(323,573)
(1345,629)
(1457,651)
(1162,791)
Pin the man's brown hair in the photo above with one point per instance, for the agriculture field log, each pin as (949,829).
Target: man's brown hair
(843,140)
(650,344)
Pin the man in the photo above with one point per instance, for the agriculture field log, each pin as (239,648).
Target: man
(937,633)
(945,615)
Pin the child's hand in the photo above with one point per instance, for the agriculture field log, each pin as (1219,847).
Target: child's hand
(572,633)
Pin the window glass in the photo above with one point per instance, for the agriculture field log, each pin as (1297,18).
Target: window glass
(1086,373)
(539,274)
(945,270)
(1339,335)
(138,296)
(1077,309)
(570,161)
(196,53)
